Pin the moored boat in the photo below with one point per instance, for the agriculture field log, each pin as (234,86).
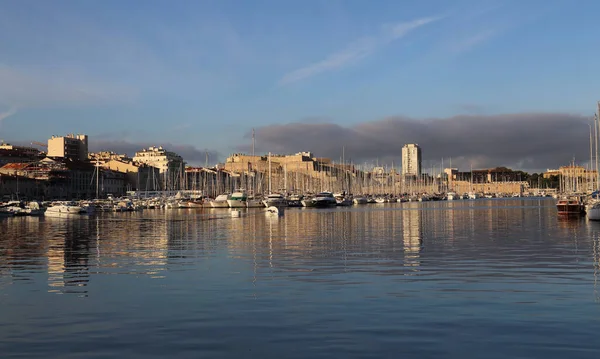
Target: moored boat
(324,199)
(570,206)
(275,200)
(593,211)
(67,208)
(343,200)
(359,200)
(254,203)
(238,200)
(220,201)
(295,200)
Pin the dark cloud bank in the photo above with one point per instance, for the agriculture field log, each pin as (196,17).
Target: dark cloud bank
(528,141)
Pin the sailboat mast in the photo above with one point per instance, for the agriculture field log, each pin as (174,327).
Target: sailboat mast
(270,173)
(97,177)
(596,129)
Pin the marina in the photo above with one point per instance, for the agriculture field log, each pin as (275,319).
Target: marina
(324,179)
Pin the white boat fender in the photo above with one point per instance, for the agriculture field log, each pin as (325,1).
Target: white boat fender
(274,211)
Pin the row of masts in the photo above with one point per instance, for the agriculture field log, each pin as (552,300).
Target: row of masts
(573,182)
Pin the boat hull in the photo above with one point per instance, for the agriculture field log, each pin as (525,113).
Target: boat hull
(307,203)
(324,204)
(570,209)
(275,203)
(219,204)
(254,203)
(593,213)
(235,203)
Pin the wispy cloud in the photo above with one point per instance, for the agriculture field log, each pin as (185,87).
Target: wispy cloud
(3,115)
(29,88)
(471,41)
(357,50)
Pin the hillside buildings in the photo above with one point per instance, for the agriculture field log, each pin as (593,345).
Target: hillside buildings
(573,178)
(14,154)
(160,158)
(105,156)
(411,160)
(492,180)
(138,177)
(73,147)
(170,166)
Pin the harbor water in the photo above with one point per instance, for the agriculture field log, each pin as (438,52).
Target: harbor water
(500,278)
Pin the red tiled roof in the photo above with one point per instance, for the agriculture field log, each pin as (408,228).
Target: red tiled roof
(15,166)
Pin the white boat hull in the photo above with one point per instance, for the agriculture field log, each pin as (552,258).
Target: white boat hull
(60,211)
(308,202)
(593,213)
(234,203)
(219,204)
(254,203)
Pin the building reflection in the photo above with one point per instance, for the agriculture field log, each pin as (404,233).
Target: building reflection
(68,255)
(20,248)
(412,236)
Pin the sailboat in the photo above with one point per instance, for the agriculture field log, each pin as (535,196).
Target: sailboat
(593,208)
(220,201)
(238,199)
(273,199)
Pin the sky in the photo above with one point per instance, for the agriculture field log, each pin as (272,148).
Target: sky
(482,83)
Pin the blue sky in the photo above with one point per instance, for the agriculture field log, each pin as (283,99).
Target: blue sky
(203,73)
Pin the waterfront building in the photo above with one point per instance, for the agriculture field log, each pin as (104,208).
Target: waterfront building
(110,183)
(160,158)
(11,154)
(105,156)
(491,180)
(411,160)
(55,178)
(299,162)
(30,151)
(137,176)
(573,178)
(72,147)
(169,164)
(13,187)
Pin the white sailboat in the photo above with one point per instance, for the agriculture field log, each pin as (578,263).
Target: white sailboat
(220,201)
(593,207)
(238,199)
(63,209)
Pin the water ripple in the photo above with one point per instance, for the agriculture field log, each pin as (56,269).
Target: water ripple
(494,279)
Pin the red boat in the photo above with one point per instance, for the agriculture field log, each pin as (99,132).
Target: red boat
(570,206)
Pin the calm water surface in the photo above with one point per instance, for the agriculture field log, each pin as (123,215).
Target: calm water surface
(465,279)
